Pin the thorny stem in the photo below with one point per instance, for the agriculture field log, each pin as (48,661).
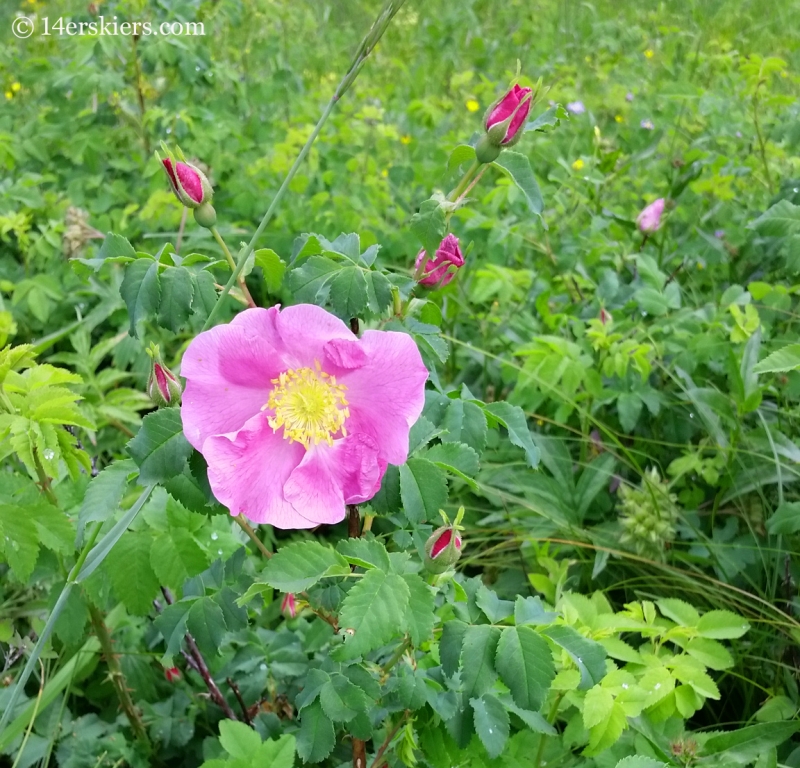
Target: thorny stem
(353,532)
(243,524)
(367,45)
(238,694)
(232,264)
(353,521)
(117,677)
(202,668)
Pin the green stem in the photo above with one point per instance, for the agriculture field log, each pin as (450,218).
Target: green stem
(44,480)
(465,179)
(543,740)
(367,45)
(232,263)
(396,656)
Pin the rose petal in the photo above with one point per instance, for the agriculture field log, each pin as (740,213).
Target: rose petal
(190,181)
(387,394)
(304,331)
(229,371)
(248,470)
(330,477)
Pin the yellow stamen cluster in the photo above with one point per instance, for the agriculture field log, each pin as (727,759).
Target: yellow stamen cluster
(309,405)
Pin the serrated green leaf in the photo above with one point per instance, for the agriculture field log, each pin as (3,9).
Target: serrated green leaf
(348,292)
(463,153)
(272,266)
(172,625)
(309,282)
(478,653)
(518,167)
(140,290)
(315,739)
(278,753)
(465,422)
(373,612)
(495,609)
(780,220)
(116,246)
(365,553)
(54,529)
(491,723)
(420,617)
(588,655)
(458,458)
(341,700)
(512,417)
(712,654)
(597,706)
(450,644)
(680,612)
(428,224)
(298,566)
(205,294)
(312,685)
(379,291)
(525,664)
(606,733)
(104,493)
(177,292)
(638,761)
(550,118)
(721,625)
(238,739)
(131,575)
(176,556)
(206,623)
(72,619)
(160,449)
(785,359)
(423,489)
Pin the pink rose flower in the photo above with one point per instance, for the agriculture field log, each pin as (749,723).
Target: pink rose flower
(649,220)
(437,272)
(295,415)
(505,108)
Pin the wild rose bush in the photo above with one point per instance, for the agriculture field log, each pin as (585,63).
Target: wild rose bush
(503,476)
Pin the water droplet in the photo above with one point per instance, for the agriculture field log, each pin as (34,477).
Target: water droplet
(15,545)
(169,130)
(579,659)
(197,69)
(691,415)
(219,551)
(214,536)
(263,667)
(491,731)
(625,686)
(658,685)
(795,190)
(48,454)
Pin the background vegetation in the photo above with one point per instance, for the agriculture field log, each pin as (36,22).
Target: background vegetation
(666,458)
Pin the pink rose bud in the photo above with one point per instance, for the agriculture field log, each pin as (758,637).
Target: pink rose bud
(188,182)
(439,270)
(605,316)
(289,606)
(503,123)
(443,549)
(172,674)
(163,386)
(649,220)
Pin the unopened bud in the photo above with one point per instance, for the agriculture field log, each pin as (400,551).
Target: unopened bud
(172,674)
(188,182)
(443,548)
(163,386)
(289,605)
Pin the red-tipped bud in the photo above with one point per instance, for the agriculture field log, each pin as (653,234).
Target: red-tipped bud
(443,548)
(188,182)
(506,116)
(163,386)
(289,605)
(438,270)
(172,674)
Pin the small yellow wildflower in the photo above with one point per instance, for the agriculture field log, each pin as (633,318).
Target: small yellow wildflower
(700,265)
(405,139)
(619,118)
(539,422)
(384,173)
(9,95)
(472,105)
(649,53)
(577,165)
(15,87)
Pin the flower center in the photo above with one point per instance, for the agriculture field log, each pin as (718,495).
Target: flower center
(309,405)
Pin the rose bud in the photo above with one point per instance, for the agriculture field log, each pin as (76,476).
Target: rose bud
(172,674)
(503,122)
(289,606)
(163,386)
(443,549)
(649,220)
(438,270)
